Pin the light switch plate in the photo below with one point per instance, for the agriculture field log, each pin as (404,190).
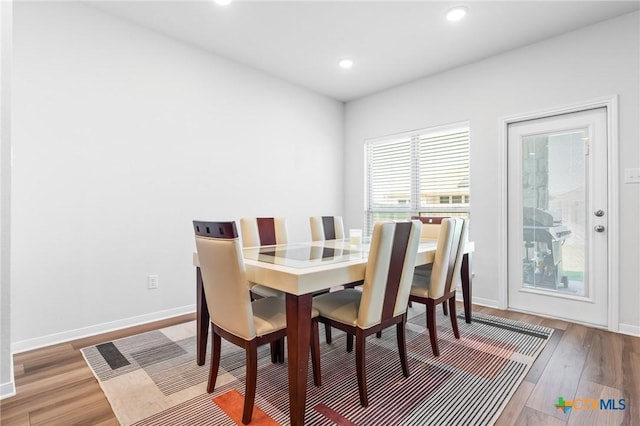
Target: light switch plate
(632,175)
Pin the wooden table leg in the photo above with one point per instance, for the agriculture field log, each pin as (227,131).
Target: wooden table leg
(466,286)
(298,339)
(202,319)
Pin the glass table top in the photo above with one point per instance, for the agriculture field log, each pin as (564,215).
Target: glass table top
(305,255)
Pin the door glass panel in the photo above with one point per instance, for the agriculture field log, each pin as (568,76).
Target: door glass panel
(554,201)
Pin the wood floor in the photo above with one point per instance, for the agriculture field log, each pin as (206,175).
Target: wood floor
(55,386)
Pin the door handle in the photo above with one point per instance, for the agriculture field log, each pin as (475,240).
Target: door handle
(599,213)
(598,228)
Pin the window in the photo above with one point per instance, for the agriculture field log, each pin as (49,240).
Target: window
(418,173)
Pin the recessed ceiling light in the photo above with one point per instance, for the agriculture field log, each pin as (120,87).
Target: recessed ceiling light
(222,2)
(345,63)
(457,13)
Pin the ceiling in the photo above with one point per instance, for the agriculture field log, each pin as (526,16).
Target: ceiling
(390,42)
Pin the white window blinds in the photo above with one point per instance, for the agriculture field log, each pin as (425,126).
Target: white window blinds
(443,167)
(389,171)
(424,172)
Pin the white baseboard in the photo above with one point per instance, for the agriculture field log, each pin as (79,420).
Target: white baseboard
(52,339)
(478,300)
(632,330)
(490,303)
(7,389)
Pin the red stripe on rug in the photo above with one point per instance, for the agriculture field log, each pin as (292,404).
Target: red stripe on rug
(232,403)
(333,415)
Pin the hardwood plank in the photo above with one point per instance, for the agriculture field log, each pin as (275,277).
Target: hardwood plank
(18,369)
(531,417)
(14,418)
(58,379)
(554,323)
(583,414)
(631,381)
(43,353)
(517,316)
(74,409)
(531,319)
(66,391)
(41,359)
(632,343)
(540,364)
(562,374)
(604,363)
(61,366)
(516,404)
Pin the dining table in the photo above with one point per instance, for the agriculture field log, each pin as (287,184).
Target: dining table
(300,270)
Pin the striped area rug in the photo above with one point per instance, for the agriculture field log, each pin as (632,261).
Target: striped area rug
(153,379)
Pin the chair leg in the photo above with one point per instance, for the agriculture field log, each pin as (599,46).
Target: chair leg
(444,308)
(379,334)
(327,332)
(361,368)
(275,353)
(216,345)
(281,351)
(349,342)
(454,320)
(402,345)
(315,353)
(250,381)
(431,325)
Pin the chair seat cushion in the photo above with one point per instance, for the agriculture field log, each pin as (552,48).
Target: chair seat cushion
(269,315)
(341,306)
(421,283)
(264,291)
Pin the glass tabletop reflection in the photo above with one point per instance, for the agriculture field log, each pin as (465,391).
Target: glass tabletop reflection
(305,255)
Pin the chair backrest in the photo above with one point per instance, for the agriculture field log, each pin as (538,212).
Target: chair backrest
(326,228)
(223,276)
(263,231)
(389,273)
(460,254)
(448,261)
(430,226)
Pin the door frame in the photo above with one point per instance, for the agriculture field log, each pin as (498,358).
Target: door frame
(611,105)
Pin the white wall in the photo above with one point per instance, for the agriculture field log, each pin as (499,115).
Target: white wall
(121,138)
(593,62)
(7,387)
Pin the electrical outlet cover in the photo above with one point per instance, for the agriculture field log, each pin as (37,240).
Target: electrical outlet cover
(152,282)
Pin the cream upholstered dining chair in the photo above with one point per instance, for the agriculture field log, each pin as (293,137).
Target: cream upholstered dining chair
(329,228)
(233,315)
(430,231)
(439,284)
(263,231)
(430,226)
(326,228)
(384,296)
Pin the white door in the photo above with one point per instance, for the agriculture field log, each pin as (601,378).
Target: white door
(557,218)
